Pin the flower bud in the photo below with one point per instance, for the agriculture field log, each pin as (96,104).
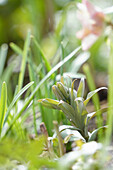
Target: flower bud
(58,93)
(64,90)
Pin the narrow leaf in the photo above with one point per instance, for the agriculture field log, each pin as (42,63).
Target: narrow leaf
(50,103)
(24,60)
(81,88)
(72,93)
(3,104)
(109,131)
(3,55)
(92,93)
(78,62)
(93,114)
(47,64)
(95,132)
(16,48)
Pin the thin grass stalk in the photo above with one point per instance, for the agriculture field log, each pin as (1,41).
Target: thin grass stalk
(60,140)
(24,60)
(34,118)
(62,57)
(48,113)
(3,55)
(47,64)
(16,49)
(23,64)
(3,105)
(95,98)
(91,85)
(109,131)
(32,78)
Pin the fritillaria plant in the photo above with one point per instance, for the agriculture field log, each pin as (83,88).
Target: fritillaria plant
(73,105)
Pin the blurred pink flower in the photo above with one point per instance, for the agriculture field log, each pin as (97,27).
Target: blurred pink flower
(92,20)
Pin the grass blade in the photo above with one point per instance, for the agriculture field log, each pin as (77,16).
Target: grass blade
(62,57)
(24,60)
(16,49)
(81,88)
(47,64)
(95,98)
(110,97)
(3,105)
(3,55)
(95,132)
(32,77)
(91,85)
(92,93)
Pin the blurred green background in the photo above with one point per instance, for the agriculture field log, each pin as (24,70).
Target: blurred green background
(54,24)
(51,21)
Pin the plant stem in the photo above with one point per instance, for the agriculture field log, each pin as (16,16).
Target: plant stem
(60,140)
(110,96)
(95,98)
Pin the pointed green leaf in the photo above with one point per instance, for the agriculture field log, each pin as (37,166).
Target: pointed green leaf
(76,64)
(16,48)
(93,114)
(50,103)
(47,64)
(24,60)
(81,88)
(3,104)
(95,132)
(72,93)
(3,55)
(90,94)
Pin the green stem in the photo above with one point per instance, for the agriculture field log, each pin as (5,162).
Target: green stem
(95,98)
(60,140)
(110,97)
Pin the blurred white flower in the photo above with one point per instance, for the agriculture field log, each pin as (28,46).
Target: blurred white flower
(92,20)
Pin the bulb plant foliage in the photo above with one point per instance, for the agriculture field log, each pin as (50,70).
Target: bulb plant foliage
(73,105)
